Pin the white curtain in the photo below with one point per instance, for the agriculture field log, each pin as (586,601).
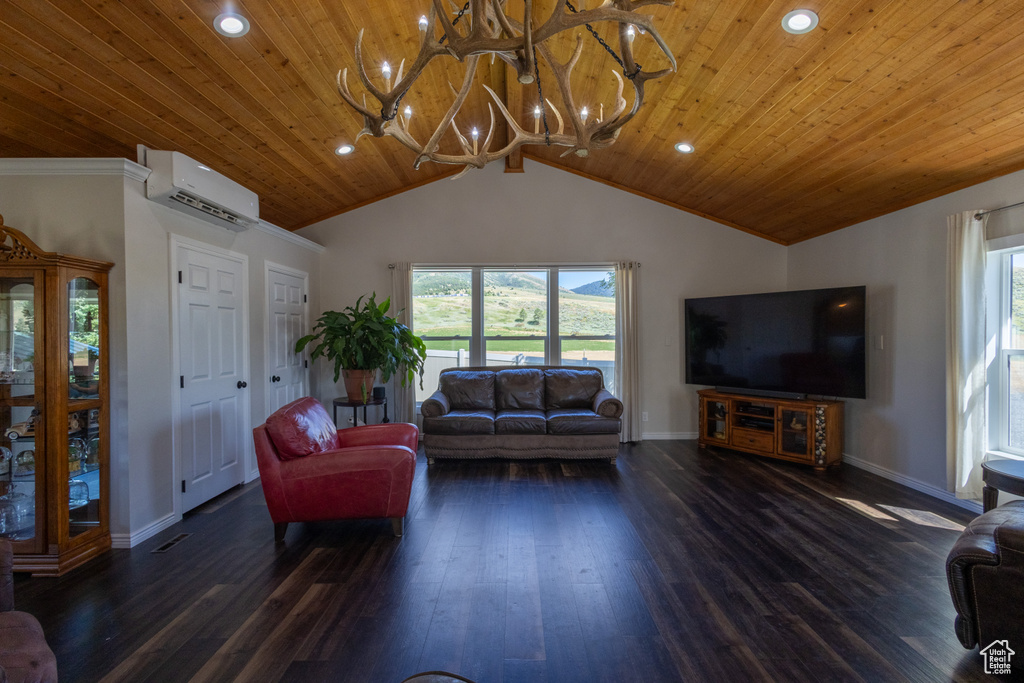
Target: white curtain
(627,348)
(965,353)
(404,400)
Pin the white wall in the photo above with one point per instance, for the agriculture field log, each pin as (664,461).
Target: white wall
(548,216)
(98,211)
(900,429)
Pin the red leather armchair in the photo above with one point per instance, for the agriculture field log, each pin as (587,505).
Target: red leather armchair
(311,471)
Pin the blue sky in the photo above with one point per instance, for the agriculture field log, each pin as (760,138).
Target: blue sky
(570,279)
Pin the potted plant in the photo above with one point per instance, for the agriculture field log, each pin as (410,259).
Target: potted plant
(362,339)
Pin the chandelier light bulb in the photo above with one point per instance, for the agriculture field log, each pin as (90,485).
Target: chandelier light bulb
(423,24)
(631,32)
(386,70)
(475,134)
(407,112)
(584,114)
(536,112)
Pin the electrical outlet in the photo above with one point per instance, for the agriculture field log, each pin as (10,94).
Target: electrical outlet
(643,416)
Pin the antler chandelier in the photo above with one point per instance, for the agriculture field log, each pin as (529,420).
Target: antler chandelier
(491,31)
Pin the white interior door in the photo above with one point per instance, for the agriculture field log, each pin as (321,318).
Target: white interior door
(212,362)
(286,322)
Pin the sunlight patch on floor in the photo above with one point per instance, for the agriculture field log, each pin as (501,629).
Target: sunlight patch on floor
(866,509)
(924,518)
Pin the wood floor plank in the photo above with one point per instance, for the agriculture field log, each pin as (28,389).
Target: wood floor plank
(675,564)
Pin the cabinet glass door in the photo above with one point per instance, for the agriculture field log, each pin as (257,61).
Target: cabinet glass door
(83,441)
(716,420)
(20,420)
(794,435)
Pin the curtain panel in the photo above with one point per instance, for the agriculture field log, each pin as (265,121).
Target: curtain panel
(966,431)
(404,400)
(627,348)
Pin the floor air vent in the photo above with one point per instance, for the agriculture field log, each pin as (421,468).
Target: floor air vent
(171,543)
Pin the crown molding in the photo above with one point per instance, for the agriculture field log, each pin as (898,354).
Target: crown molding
(64,166)
(288,236)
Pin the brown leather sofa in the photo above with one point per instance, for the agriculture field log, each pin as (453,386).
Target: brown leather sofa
(24,655)
(541,411)
(985,570)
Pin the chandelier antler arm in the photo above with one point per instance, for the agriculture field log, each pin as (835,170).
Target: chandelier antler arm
(431,147)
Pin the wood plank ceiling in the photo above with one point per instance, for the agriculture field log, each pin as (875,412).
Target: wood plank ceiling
(886,104)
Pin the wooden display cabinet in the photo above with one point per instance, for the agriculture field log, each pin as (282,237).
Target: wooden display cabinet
(54,398)
(804,431)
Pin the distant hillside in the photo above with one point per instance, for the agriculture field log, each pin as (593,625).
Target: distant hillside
(595,289)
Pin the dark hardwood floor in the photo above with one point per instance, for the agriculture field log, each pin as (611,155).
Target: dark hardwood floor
(674,565)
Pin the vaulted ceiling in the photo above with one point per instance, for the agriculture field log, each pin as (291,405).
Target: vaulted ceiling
(885,104)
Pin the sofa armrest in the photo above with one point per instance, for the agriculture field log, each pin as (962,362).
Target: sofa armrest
(435,406)
(391,434)
(6,576)
(606,405)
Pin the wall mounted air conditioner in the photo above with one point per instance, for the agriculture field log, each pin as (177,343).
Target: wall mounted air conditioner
(187,185)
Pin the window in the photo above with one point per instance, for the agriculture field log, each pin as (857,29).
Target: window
(1007,368)
(514,316)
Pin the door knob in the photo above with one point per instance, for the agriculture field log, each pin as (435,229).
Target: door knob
(275,378)
(241,384)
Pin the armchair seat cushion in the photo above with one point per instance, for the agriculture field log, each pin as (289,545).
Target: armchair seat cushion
(461,422)
(581,421)
(521,422)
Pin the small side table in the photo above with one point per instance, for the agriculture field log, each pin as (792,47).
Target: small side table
(356,405)
(1000,475)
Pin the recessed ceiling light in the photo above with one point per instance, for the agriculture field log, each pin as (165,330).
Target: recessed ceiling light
(684,147)
(800,21)
(344,149)
(231,25)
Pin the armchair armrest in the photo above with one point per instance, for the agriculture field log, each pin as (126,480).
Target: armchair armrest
(606,405)
(435,406)
(391,434)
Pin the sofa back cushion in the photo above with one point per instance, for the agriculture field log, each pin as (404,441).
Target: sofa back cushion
(301,428)
(519,389)
(468,389)
(571,387)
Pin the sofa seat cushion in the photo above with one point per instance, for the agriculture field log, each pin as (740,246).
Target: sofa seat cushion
(519,389)
(520,422)
(24,654)
(571,387)
(581,421)
(461,422)
(468,389)
(302,428)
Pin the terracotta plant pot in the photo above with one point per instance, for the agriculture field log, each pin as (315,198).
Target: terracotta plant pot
(359,384)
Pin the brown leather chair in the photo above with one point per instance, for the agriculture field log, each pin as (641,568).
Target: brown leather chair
(985,570)
(24,655)
(311,471)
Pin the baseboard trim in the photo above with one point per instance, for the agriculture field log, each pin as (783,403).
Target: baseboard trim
(668,436)
(909,482)
(125,541)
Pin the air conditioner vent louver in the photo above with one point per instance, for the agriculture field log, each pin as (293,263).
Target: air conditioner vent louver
(197,203)
(193,188)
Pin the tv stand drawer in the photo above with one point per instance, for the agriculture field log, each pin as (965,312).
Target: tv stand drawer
(749,439)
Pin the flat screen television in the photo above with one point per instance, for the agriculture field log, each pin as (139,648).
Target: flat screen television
(809,342)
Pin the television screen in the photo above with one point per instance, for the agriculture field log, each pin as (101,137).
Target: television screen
(803,342)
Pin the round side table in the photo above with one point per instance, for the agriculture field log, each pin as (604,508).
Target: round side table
(1001,475)
(356,405)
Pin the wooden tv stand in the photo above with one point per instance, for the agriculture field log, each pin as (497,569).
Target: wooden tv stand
(804,431)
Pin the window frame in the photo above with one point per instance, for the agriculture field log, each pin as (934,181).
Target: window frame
(552,339)
(999,360)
